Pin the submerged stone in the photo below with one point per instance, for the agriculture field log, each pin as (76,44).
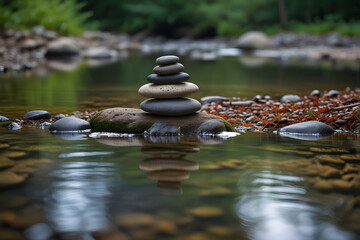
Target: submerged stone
(13,126)
(211,127)
(155,164)
(132,120)
(206,212)
(68,124)
(36,115)
(310,127)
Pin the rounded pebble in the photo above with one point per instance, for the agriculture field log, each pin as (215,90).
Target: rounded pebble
(171,107)
(169,69)
(168,79)
(36,115)
(168,91)
(166,60)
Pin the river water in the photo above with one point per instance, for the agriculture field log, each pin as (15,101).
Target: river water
(253,186)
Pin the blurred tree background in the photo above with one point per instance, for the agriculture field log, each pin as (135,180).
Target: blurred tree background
(175,18)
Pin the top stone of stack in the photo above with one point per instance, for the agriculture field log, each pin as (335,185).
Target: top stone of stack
(167,60)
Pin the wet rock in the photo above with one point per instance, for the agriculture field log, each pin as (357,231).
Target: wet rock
(59,116)
(161,129)
(68,124)
(257,98)
(216,192)
(290,98)
(332,93)
(206,212)
(219,231)
(27,66)
(62,47)
(254,40)
(354,158)
(134,220)
(5,162)
(3,119)
(310,127)
(13,126)
(215,99)
(350,169)
(211,127)
(315,93)
(330,159)
(342,185)
(100,53)
(165,227)
(4,145)
(329,172)
(242,103)
(15,154)
(9,179)
(322,185)
(328,150)
(131,120)
(36,115)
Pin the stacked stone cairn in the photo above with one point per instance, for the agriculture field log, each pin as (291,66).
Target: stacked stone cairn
(169,90)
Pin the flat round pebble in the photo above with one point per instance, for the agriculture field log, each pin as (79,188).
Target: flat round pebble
(216,99)
(171,107)
(9,179)
(5,162)
(290,98)
(68,124)
(309,127)
(3,119)
(169,69)
(168,79)
(166,60)
(169,175)
(36,115)
(206,212)
(177,90)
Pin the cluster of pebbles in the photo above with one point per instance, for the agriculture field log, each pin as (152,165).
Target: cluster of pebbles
(169,90)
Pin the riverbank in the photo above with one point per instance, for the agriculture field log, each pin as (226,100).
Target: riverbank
(338,109)
(24,50)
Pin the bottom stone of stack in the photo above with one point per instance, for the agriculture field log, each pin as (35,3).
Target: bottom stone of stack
(171,106)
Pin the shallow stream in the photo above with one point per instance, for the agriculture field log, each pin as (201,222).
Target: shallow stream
(253,186)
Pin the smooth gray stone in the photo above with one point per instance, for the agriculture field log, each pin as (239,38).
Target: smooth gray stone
(13,126)
(310,127)
(3,119)
(290,98)
(68,124)
(211,127)
(169,69)
(162,129)
(176,90)
(242,103)
(166,60)
(332,93)
(59,116)
(168,79)
(216,99)
(315,93)
(171,107)
(36,115)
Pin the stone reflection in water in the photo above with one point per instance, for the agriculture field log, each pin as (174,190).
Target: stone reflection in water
(167,164)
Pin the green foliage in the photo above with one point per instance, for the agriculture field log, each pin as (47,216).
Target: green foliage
(62,16)
(230,17)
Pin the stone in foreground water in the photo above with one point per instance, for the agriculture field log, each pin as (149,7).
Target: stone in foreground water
(36,115)
(67,124)
(310,127)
